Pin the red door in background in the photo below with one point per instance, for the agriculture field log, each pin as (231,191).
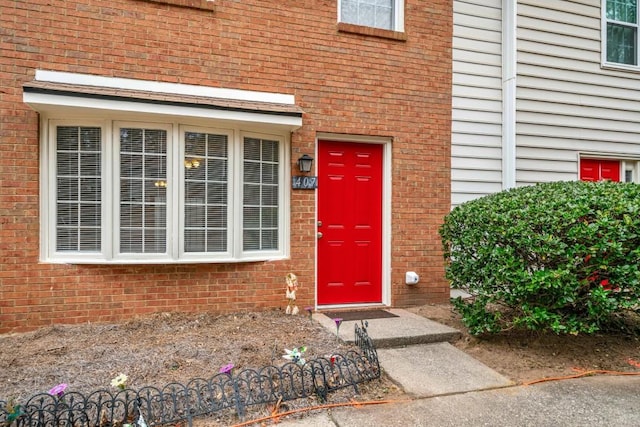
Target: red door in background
(599,170)
(349,223)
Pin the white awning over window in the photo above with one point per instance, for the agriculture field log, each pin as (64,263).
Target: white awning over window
(53,90)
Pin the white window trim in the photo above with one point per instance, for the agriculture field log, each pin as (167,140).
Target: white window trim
(603,41)
(398,16)
(175,206)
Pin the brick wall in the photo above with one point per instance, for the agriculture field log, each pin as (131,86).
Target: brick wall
(366,84)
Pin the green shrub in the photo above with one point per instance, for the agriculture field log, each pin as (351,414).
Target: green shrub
(562,256)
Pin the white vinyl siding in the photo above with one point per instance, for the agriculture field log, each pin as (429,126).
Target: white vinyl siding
(567,105)
(477,100)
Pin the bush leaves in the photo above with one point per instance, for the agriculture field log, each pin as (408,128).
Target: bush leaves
(562,256)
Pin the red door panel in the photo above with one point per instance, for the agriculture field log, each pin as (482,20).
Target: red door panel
(589,170)
(610,169)
(598,170)
(350,220)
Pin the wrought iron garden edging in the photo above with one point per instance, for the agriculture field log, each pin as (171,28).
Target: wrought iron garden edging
(151,406)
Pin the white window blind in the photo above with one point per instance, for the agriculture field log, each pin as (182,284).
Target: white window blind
(143,190)
(78,188)
(260,194)
(205,193)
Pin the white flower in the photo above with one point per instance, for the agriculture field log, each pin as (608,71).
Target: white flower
(120,381)
(295,355)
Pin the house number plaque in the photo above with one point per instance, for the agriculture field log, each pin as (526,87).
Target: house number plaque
(304,182)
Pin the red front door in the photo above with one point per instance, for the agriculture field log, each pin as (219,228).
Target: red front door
(349,223)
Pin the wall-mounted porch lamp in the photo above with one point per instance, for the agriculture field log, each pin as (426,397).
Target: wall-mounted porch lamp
(304,163)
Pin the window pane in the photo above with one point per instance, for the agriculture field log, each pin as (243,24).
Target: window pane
(143,188)
(217,240)
(270,195)
(269,173)
(194,216)
(269,239)
(622,10)
(252,172)
(628,175)
(90,189)
(251,194)
(68,214)
(78,188)
(90,215)
(260,194)
(371,13)
(194,240)
(270,218)
(251,239)
(217,193)
(217,217)
(251,217)
(621,44)
(90,239)
(206,178)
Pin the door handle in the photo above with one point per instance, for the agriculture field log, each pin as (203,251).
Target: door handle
(320,235)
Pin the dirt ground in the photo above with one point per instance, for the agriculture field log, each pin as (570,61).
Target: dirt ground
(170,347)
(528,357)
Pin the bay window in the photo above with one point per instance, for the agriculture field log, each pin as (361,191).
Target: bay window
(163,192)
(136,171)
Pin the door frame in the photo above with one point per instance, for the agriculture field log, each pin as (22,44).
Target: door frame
(386,143)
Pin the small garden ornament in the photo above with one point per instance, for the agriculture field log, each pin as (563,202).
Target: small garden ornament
(292,287)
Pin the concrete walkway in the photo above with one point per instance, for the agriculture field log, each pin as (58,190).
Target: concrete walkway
(416,354)
(449,388)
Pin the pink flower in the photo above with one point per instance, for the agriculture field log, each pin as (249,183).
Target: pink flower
(58,390)
(338,321)
(226,369)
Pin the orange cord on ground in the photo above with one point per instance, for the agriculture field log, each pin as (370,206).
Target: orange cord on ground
(582,373)
(276,416)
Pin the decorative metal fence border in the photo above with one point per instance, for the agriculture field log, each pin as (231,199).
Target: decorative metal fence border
(151,406)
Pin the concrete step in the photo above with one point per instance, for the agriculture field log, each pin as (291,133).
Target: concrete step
(404,330)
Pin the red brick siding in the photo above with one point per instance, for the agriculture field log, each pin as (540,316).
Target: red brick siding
(346,83)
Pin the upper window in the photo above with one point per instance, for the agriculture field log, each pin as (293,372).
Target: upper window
(140,191)
(384,14)
(621,32)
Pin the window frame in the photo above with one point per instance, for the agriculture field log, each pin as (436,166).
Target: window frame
(397,19)
(605,63)
(626,164)
(109,123)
